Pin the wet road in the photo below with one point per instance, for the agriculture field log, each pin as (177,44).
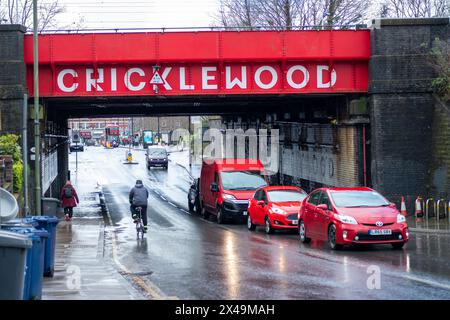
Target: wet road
(190,258)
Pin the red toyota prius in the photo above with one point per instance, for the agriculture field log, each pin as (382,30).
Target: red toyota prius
(275,207)
(345,216)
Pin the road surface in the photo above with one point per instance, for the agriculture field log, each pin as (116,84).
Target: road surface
(186,257)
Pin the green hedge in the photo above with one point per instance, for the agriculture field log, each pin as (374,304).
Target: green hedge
(9,146)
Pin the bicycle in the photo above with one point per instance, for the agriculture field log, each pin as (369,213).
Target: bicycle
(139,223)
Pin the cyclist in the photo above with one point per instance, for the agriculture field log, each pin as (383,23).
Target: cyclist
(138,198)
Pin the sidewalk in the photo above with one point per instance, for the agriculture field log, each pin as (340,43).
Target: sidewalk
(181,158)
(82,267)
(432,225)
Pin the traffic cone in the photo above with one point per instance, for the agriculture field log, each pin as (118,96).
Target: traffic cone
(419,212)
(403,207)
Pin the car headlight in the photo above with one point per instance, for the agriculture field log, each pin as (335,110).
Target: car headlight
(277,210)
(345,219)
(228,196)
(401,218)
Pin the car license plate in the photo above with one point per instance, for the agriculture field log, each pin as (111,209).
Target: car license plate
(380,232)
(244,213)
(295,222)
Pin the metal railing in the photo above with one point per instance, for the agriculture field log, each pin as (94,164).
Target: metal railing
(433,209)
(213,28)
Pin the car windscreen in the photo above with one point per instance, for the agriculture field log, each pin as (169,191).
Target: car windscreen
(286,195)
(358,199)
(157,153)
(242,180)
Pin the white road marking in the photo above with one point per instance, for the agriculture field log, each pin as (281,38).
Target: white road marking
(172,204)
(428,282)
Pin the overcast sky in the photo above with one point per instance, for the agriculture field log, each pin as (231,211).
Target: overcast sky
(139,13)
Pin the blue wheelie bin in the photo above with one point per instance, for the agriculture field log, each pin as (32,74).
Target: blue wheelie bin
(49,224)
(24,222)
(34,261)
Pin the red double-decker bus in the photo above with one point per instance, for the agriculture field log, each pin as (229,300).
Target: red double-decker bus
(112,136)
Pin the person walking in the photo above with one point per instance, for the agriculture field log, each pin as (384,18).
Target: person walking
(138,198)
(69,200)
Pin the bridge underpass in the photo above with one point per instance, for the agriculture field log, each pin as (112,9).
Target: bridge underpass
(321,140)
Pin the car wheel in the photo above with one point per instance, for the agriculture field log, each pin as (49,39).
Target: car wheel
(220,218)
(148,167)
(332,238)
(190,206)
(250,225)
(205,213)
(397,245)
(267,226)
(302,233)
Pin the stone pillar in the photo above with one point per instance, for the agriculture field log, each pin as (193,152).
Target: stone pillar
(12,78)
(402,105)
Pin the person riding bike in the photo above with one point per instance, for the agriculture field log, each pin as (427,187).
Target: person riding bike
(138,198)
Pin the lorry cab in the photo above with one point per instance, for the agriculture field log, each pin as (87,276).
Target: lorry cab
(226,185)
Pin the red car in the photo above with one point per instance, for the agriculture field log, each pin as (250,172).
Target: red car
(275,207)
(345,216)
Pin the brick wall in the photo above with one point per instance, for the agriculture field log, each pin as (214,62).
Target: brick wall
(12,78)
(6,173)
(402,106)
(325,155)
(440,166)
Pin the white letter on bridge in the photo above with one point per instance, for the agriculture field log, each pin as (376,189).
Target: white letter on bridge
(320,83)
(61,84)
(240,83)
(183,85)
(94,82)
(305,77)
(164,76)
(128,83)
(258,77)
(206,78)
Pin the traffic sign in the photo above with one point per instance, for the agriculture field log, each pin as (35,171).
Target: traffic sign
(156,79)
(76,137)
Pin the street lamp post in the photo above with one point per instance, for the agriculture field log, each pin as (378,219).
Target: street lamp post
(37,140)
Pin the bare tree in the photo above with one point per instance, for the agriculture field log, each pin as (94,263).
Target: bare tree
(278,14)
(21,12)
(289,14)
(339,13)
(415,8)
(238,14)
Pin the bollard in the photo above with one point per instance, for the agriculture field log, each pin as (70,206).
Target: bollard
(427,207)
(418,209)
(439,207)
(448,211)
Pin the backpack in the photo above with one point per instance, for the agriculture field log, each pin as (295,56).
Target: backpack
(68,193)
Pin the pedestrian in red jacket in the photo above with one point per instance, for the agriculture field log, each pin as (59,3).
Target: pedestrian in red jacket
(69,199)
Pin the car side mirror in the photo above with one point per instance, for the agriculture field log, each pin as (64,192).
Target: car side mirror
(323,207)
(392,205)
(260,203)
(214,187)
